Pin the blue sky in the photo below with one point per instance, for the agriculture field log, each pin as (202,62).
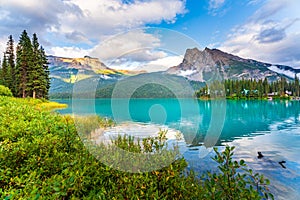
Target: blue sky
(116,31)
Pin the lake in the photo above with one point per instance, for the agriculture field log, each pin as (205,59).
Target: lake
(272,127)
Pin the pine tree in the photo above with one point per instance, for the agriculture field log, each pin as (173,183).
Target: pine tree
(38,73)
(11,64)
(2,72)
(24,62)
(46,73)
(297,86)
(5,72)
(265,86)
(35,70)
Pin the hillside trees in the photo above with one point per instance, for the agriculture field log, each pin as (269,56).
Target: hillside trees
(26,73)
(254,89)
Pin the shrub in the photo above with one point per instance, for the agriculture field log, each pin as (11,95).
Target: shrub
(235,181)
(5,91)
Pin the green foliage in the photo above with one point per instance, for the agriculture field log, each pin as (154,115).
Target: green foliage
(251,89)
(10,53)
(42,157)
(231,184)
(5,91)
(6,78)
(25,74)
(38,73)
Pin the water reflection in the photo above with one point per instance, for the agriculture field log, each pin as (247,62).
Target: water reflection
(192,117)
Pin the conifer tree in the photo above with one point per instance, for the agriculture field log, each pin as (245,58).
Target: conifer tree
(24,63)
(29,75)
(297,86)
(266,86)
(38,76)
(10,55)
(45,74)
(35,70)
(5,72)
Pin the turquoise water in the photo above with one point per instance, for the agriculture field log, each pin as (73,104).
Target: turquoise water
(272,127)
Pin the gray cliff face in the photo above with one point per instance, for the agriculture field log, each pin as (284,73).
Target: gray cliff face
(212,64)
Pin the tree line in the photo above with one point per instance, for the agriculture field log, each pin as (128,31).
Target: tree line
(25,73)
(251,88)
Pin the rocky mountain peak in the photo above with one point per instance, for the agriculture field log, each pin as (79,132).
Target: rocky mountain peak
(207,50)
(195,59)
(203,65)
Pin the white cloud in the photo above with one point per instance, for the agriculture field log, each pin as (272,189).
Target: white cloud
(101,18)
(136,45)
(267,35)
(37,16)
(254,2)
(69,52)
(77,37)
(71,20)
(139,49)
(81,27)
(169,61)
(160,64)
(215,5)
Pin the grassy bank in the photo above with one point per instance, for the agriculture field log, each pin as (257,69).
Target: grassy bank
(42,157)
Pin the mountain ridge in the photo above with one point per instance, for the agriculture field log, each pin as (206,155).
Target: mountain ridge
(202,65)
(197,66)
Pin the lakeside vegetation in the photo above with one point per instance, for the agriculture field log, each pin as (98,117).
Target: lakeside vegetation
(43,157)
(251,89)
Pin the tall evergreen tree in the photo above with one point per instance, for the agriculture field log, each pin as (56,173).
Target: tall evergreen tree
(5,72)
(297,86)
(35,70)
(45,74)
(38,76)
(266,86)
(24,62)
(10,54)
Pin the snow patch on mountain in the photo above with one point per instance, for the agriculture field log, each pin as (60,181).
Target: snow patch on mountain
(288,73)
(186,73)
(105,77)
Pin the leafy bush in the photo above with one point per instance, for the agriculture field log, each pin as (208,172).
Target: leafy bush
(42,157)
(230,184)
(5,91)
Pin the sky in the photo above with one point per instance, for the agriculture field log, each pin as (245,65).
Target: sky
(154,34)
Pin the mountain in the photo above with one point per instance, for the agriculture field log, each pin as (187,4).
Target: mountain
(197,67)
(89,72)
(64,72)
(213,63)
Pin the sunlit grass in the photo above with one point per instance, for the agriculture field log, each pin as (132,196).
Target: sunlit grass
(40,104)
(51,105)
